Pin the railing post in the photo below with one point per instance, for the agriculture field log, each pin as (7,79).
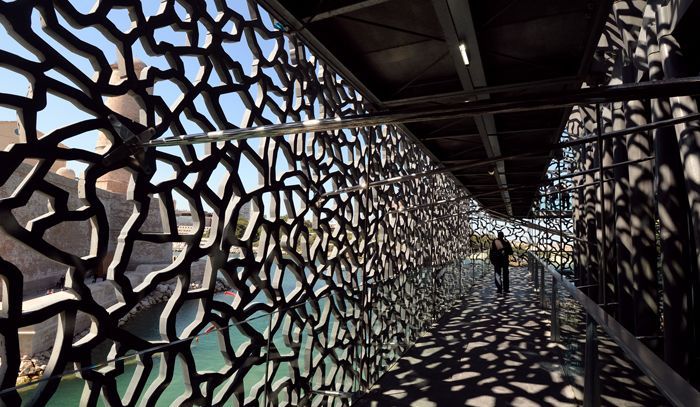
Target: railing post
(542,286)
(461,278)
(555,311)
(591,381)
(268,387)
(535,277)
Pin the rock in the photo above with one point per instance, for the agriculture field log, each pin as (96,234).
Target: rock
(26,366)
(22,380)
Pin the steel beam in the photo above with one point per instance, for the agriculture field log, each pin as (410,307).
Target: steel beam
(666,88)
(635,129)
(674,65)
(596,169)
(588,198)
(675,239)
(351,8)
(456,20)
(603,206)
(622,235)
(463,95)
(408,177)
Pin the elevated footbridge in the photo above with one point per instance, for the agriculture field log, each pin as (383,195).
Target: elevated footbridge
(272,202)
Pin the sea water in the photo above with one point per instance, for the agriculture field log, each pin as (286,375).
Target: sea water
(205,350)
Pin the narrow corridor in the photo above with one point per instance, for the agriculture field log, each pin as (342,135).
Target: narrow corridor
(491,351)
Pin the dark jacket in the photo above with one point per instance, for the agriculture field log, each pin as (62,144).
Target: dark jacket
(499,257)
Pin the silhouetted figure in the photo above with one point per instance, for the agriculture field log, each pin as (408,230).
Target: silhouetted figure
(499,253)
(552,197)
(565,198)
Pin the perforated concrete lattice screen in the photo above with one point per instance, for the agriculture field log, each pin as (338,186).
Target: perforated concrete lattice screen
(323,291)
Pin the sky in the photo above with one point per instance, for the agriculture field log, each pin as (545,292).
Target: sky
(60,112)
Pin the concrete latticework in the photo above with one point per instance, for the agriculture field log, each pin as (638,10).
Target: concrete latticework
(316,185)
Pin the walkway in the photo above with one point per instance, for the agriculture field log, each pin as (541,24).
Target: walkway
(491,351)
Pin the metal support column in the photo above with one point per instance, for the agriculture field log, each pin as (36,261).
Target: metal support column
(588,199)
(676,261)
(433,270)
(555,311)
(365,325)
(542,285)
(535,273)
(623,236)
(642,202)
(688,135)
(602,227)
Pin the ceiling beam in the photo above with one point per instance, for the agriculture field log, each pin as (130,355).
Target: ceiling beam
(451,137)
(482,162)
(468,94)
(324,15)
(455,17)
(508,133)
(583,97)
(393,28)
(471,174)
(397,47)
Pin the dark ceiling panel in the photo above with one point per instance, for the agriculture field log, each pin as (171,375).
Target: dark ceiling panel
(530,40)
(398,49)
(395,51)
(537,119)
(443,128)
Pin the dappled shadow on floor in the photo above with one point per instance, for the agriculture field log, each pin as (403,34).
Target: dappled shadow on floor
(621,382)
(493,350)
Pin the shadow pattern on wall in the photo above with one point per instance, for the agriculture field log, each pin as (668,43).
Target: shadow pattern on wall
(384,272)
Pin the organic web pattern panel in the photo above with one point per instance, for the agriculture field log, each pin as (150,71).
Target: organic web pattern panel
(343,283)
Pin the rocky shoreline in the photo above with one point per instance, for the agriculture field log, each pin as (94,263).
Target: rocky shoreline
(32,367)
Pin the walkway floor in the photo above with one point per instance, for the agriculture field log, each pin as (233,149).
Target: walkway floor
(492,351)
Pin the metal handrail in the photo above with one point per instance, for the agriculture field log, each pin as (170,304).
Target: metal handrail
(672,385)
(167,345)
(164,346)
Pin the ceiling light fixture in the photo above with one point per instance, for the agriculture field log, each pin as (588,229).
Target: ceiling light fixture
(463,51)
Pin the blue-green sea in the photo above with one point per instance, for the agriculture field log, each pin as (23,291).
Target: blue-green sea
(145,324)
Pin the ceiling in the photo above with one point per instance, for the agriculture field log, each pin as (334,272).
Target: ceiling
(405,53)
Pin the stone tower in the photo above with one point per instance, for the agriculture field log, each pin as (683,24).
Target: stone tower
(117,181)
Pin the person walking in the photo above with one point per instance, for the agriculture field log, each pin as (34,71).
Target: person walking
(565,197)
(499,256)
(552,197)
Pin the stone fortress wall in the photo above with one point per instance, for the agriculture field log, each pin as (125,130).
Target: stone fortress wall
(11,132)
(42,273)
